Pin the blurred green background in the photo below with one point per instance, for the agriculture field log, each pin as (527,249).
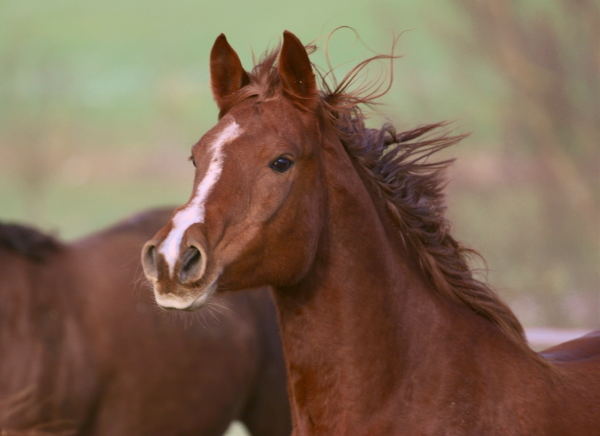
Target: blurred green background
(101,101)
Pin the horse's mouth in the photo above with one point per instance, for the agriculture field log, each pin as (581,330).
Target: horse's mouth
(203,297)
(189,302)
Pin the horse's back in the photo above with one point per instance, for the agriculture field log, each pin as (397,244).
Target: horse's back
(155,373)
(586,347)
(140,226)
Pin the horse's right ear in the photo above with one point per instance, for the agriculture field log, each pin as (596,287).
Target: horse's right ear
(226,72)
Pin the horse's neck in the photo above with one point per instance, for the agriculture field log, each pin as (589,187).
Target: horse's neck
(363,329)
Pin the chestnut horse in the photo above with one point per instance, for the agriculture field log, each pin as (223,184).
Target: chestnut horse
(86,351)
(385,329)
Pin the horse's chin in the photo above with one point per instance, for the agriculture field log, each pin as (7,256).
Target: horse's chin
(189,300)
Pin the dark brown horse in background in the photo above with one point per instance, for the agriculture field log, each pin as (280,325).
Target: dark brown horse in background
(86,351)
(385,329)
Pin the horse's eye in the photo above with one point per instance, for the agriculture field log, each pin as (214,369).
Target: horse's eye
(281,164)
(193,161)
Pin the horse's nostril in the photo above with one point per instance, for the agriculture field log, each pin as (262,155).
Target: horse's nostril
(149,261)
(190,264)
(151,253)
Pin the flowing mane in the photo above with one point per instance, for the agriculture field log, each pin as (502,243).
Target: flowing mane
(411,184)
(27,241)
(412,188)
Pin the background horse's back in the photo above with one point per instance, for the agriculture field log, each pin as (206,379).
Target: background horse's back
(85,338)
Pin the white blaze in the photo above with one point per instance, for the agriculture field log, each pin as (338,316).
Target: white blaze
(194,211)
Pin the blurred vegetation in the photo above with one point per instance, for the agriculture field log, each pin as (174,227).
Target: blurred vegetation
(100,102)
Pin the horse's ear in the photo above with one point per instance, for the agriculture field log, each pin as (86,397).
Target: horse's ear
(226,72)
(296,72)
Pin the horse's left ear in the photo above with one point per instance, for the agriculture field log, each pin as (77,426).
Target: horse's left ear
(296,71)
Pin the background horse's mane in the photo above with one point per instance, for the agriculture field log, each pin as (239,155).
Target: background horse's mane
(400,170)
(27,241)
(38,246)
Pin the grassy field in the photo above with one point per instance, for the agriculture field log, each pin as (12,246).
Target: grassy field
(100,102)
